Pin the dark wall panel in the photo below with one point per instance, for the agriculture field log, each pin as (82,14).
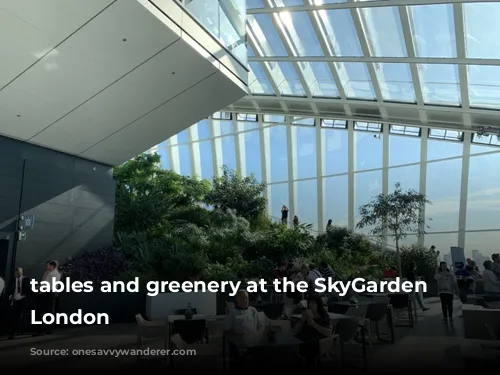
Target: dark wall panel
(72,200)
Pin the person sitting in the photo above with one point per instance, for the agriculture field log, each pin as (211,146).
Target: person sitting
(491,283)
(464,281)
(496,265)
(313,274)
(282,271)
(313,325)
(243,319)
(326,271)
(390,273)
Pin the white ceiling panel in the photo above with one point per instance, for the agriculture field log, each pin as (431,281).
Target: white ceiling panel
(57,18)
(21,45)
(167,120)
(95,57)
(23,115)
(102,39)
(149,86)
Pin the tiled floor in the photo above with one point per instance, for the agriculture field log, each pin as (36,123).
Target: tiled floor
(430,344)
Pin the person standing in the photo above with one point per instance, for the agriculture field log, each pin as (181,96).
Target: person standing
(18,296)
(46,303)
(329,225)
(295,221)
(411,276)
(447,288)
(284,215)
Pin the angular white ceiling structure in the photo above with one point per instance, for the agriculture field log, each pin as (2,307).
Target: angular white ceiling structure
(422,62)
(106,79)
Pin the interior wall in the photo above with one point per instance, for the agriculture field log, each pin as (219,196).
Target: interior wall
(72,200)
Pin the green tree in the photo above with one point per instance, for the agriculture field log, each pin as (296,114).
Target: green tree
(235,192)
(147,197)
(396,214)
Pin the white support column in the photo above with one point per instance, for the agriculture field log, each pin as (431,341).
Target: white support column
(423,178)
(239,147)
(173,154)
(265,162)
(462,215)
(194,150)
(319,174)
(458,15)
(385,168)
(350,174)
(216,148)
(291,135)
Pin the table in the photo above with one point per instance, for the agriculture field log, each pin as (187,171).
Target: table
(281,340)
(333,316)
(350,304)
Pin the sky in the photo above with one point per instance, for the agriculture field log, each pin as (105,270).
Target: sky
(433,35)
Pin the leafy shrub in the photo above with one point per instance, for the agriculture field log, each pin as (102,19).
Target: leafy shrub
(105,264)
(426,261)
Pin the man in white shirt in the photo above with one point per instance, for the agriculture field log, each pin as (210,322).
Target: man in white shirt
(243,319)
(2,286)
(47,301)
(491,282)
(19,292)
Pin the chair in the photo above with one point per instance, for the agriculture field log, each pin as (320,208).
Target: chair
(277,298)
(149,330)
(401,304)
(347,330)
(216,332)
(377,312)
(273,311)
(229,306)
(288,311)
(364,324)
(189,334)
(326,346)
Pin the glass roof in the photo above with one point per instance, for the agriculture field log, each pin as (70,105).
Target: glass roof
(426,55)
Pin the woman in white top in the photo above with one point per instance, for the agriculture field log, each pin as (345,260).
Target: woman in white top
(447,288)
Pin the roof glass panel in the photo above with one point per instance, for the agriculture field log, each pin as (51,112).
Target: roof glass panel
(286,78)
(395,82)
(440,84)
(301,34)
(266,34)
(356,80)
(482,29)
(484,86)
(449,135)
(339,124)
(254,4)
(368,126)
(384,31)
(490,139)
(258,81)
(324,85)
(433,30)
(303,121)
(405,130)
(340,32)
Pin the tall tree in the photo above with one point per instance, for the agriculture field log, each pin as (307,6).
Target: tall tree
(235,192)
(148,196)
(396,214)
